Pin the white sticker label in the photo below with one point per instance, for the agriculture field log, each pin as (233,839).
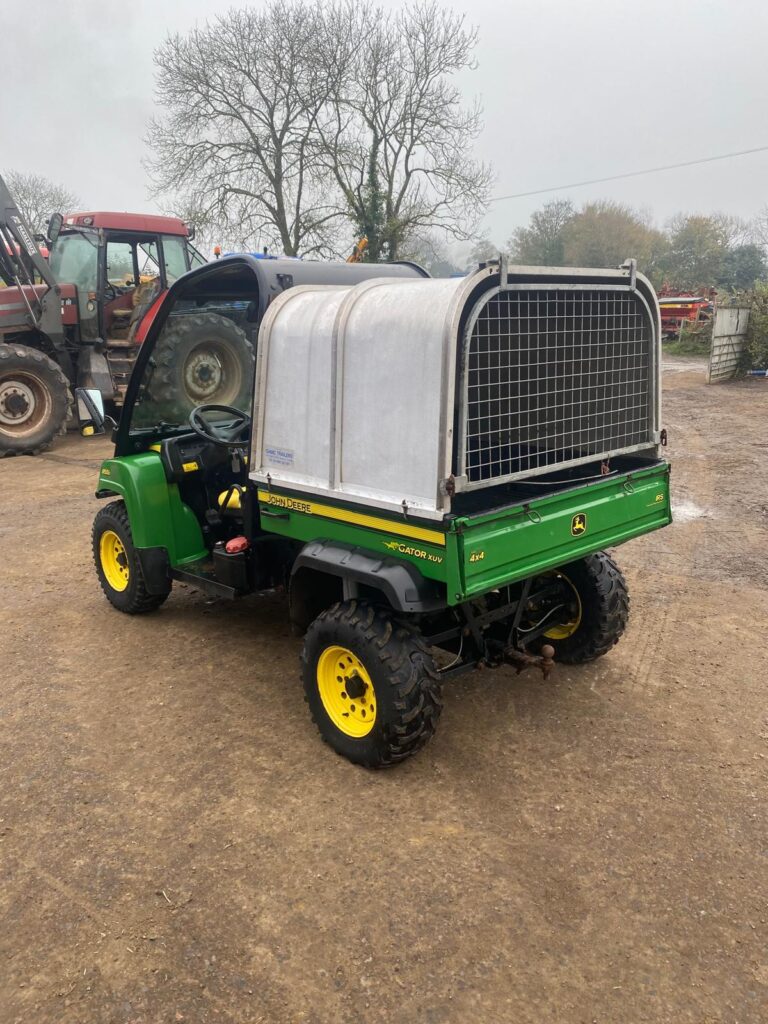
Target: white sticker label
(278,456)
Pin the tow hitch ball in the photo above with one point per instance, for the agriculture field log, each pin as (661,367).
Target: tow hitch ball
(521,660)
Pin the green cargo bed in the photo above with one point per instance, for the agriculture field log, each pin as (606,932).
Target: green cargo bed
(490,549)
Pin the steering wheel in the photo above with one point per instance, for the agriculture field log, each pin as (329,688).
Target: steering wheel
(233,435)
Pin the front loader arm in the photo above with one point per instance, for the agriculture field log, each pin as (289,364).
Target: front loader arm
(14,230)
(20,260)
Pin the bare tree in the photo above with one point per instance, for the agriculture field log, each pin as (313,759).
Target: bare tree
(759,229)
(735,230)
(239,140)
(431,252)
(38,197)
(398,138)
(211,228)
(300,125)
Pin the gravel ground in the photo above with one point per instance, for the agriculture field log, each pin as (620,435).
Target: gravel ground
(176,844)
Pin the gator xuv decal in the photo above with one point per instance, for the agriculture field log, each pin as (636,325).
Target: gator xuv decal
(407,549)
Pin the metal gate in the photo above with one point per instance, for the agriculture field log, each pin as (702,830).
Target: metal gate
(728,339)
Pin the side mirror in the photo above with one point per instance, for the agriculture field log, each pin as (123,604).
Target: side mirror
(54,227)
(190,232)
(90,411)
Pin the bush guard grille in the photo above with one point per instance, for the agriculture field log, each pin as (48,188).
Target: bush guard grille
(553,377)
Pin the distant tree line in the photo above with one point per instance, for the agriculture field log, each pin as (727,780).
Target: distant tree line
(691,252)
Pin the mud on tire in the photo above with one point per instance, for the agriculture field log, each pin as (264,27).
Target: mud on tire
(405,682)
(34,400)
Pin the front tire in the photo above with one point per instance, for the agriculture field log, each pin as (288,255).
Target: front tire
(34,400)
(597,607)
(117,564)
(371,685)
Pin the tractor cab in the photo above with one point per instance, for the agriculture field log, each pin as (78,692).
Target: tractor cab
(119,264)
(111,258)
(75,311)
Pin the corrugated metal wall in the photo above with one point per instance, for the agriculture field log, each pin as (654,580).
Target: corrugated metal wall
(728,336)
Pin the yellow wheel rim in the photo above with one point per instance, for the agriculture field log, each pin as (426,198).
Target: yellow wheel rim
(114,560)
(346,691)
(563,630)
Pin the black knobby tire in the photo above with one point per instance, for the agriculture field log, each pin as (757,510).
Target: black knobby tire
(405,682)
(135,599)
(202,359)
(34,400)
(604,599)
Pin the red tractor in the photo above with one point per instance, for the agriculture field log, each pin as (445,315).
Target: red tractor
(77,319)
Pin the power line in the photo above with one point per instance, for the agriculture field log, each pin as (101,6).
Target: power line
(631,174)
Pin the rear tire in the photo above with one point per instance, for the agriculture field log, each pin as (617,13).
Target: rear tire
(34,400)
(601,610)
(117,564)
(202,359)
(395,705)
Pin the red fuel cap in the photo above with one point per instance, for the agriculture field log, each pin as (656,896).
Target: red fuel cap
(236,545)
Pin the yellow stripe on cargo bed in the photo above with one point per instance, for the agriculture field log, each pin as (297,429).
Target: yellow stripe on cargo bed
(346,515)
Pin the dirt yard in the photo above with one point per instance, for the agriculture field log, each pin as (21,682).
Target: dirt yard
(176,844)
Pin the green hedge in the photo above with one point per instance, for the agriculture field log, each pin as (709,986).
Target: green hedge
(756,350)
(693,340)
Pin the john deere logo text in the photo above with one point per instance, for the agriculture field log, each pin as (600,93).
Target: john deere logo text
(282,502)
(579,524)
(408,549)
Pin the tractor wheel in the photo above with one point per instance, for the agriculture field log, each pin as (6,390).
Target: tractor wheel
(371,685)
(203,359)
(34,400)
(595,594)
(117,565)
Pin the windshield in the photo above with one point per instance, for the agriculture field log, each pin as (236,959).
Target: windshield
(149,263)
(119,267)
(204,355)
(174,252)
(73,261)
(196,259)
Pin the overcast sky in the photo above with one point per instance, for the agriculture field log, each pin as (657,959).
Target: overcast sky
(571,89)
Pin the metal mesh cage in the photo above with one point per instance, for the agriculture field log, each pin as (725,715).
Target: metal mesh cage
(554,377)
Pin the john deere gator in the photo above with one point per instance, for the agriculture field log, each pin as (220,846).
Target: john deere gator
(431,469)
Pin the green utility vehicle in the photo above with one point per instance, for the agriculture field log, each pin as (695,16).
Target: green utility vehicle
(432,469)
